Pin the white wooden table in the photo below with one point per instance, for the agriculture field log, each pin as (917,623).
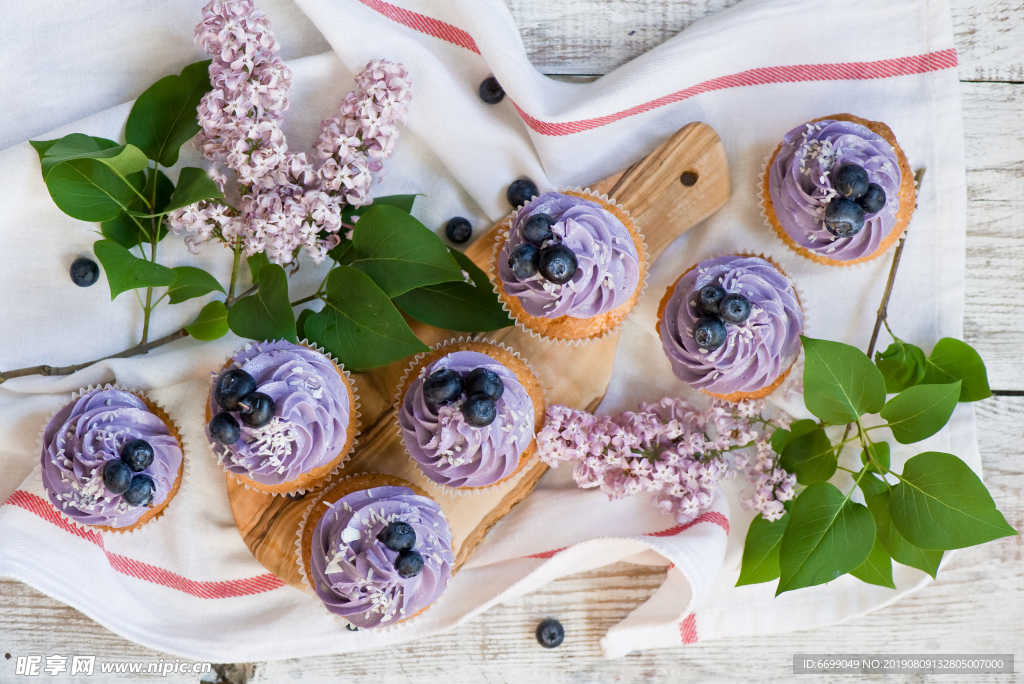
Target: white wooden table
(977,602)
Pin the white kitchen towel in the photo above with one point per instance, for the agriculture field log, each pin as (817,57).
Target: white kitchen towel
(186,584)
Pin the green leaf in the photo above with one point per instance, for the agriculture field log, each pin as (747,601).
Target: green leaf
(466,307)
(358,324)
(267,314)
(761,550)
(256,262)
(164,116)
(42,146)
(351,214)
(880,452)
(940,503)
(300,323)
(840,382)
(124,230)
(95,187)
(953,360)
(780,438)
(191,282)
(125,271)
(194,185)
(902,366)
(399,253)
(72,146)
(211,323)
(828,536)
(811,457)
(895,543)
(870,485)
(877,569)
(919,412)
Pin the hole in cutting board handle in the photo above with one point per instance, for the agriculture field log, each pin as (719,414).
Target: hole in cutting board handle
(689,178)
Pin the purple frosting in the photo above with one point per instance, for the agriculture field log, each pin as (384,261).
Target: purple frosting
(354,574)
(87,433)
(452,452)
(756,351)
(800,183)
(609,267)
(311,416)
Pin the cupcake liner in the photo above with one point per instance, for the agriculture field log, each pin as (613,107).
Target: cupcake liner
(354,416)
(500,487)
(183,476)
(493,272)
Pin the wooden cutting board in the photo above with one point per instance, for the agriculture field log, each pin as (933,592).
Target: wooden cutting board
(669,191)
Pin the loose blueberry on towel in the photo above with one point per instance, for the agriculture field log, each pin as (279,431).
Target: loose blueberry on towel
(232,387)
(141,491)
(843,217)
(709,333)
(734,308)
(873,200)
(117,476)
(458,230)
(84,272)
(352,628)
(442,387)
(409,563)
(850,180)
(521,191)
(256,409)
(137,455)
(524,260)
(491,91)
(708,298)
(398,536)
(557,263)
(537,229)
(479,410)
(550,633)
(485,381)
(224,429)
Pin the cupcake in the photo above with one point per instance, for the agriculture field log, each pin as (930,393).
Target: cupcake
(376,550)
(839,190)
(111,459)
(731,327)
(468,413)
(569,266)
(281,417)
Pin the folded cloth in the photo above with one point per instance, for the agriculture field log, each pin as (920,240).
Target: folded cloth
(186,584)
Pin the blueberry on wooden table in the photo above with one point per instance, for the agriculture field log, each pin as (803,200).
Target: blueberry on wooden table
(734,308)
(479,410)
(708,297)
(524,260)
(137,455)
(256,409)
(409,563)
(557,264)
(843,217)
(491,91)
(117,476)
(398,536)
(458,230)
(485,381)
(709,333)
(84,272)
(442,387)
(521,191)
(850,180)
(224,428)
(141,491)
(232,387)
(550,633)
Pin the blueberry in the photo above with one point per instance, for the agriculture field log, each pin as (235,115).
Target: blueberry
(491,91)
(141,491)
(442,387)
(458,230)
(550,633)
(708,298)
(409,563)
(84,272)
(137,455)
(557,263)
(398,536)
(485,381)
(537,229)
(734,308)
(843,217)
(709,333)
(873,200)
(352,628)
(224,429)
(521,191)
(850,180)
(479,410)
(117,476)
(524,260)
(231,387)
(257,409)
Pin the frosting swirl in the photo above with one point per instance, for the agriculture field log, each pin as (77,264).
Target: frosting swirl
(800,184)
(311,415)
(87,433)
(354,574)
(756,351)
(452,452)
(608,264)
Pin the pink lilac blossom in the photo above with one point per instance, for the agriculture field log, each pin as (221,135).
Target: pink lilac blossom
(287,204)
(673,451)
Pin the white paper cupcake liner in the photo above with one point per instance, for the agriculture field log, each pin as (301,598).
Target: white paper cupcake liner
(457,492)
(492,273)
(354,414)
(185,467)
